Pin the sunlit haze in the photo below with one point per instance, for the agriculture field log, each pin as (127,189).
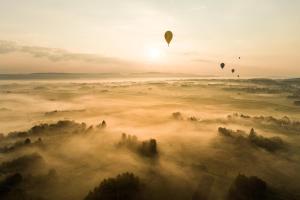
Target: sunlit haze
(127,36)
(150,100)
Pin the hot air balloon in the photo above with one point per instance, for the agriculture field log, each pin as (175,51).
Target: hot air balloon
(238,76)
(222,65)
(168,36)
(239,57)
(232,70)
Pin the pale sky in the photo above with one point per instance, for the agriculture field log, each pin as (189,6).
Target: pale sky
(127,36)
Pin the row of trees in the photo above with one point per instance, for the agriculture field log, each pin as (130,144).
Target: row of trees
(127,186)
(60,127)
(271,144)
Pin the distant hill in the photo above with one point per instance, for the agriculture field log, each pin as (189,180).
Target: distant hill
(55,76)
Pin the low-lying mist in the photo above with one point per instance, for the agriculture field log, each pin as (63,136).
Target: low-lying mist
(168,139)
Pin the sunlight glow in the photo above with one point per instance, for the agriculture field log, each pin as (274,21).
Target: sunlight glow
(153,54)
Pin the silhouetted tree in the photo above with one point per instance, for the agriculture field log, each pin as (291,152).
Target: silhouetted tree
(177,115)
(149,148)
(9,183)
(244,188)
(14,186)
(23,163)
(89,129)
(130,141)
(126,186)
(252,132)
(102,125)
(61,127)
(270,144)
(27,141)
(146,148)
(194,119)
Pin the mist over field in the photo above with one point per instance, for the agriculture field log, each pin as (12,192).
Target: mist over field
(166,138)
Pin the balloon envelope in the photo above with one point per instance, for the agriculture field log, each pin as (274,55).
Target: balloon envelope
(168,36)
(222,65)
(232,70)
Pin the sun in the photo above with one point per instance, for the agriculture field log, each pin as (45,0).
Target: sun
(153,54)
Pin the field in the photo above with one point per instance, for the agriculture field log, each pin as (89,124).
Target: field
(178,138)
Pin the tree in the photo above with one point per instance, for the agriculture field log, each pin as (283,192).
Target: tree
(125,186)
(247,188)
(27,141)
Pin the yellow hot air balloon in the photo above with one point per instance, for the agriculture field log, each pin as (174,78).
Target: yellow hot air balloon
(168,36)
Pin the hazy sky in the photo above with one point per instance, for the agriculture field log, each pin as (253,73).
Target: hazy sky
(126,36)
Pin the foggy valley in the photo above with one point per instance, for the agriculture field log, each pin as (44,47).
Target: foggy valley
(177,139)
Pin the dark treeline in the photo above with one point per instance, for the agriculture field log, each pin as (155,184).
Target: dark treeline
(284,124)
(271,144)
(127,186)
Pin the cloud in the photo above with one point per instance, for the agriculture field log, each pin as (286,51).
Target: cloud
(7,47)
(54,54)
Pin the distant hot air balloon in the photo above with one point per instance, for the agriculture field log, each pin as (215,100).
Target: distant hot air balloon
(168,36)
(239,57)
(232,70)
(238,76)
(222,65)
